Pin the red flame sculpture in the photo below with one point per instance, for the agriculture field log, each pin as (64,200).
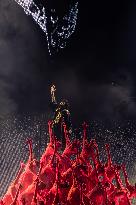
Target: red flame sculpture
(60,179)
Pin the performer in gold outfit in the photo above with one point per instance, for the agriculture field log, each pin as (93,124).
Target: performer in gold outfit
(61,116)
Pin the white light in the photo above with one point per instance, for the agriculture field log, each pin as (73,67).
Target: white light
(57,30)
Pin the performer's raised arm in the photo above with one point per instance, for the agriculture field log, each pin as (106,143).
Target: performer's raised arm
(53,98)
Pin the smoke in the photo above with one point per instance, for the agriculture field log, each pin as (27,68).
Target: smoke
(112,100)
(20,57)
(25,74)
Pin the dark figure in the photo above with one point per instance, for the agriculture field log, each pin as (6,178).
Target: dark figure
(61,116)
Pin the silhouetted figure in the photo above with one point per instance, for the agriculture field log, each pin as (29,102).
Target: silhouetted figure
(61,117)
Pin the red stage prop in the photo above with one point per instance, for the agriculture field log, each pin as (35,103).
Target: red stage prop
(74,176)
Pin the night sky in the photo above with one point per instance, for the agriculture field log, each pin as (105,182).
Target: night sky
(95,72)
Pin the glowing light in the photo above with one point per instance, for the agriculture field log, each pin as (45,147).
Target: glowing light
(57,29)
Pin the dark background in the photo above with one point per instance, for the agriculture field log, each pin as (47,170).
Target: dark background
(95,72)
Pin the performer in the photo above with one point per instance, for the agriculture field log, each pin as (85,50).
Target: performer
(61,116)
